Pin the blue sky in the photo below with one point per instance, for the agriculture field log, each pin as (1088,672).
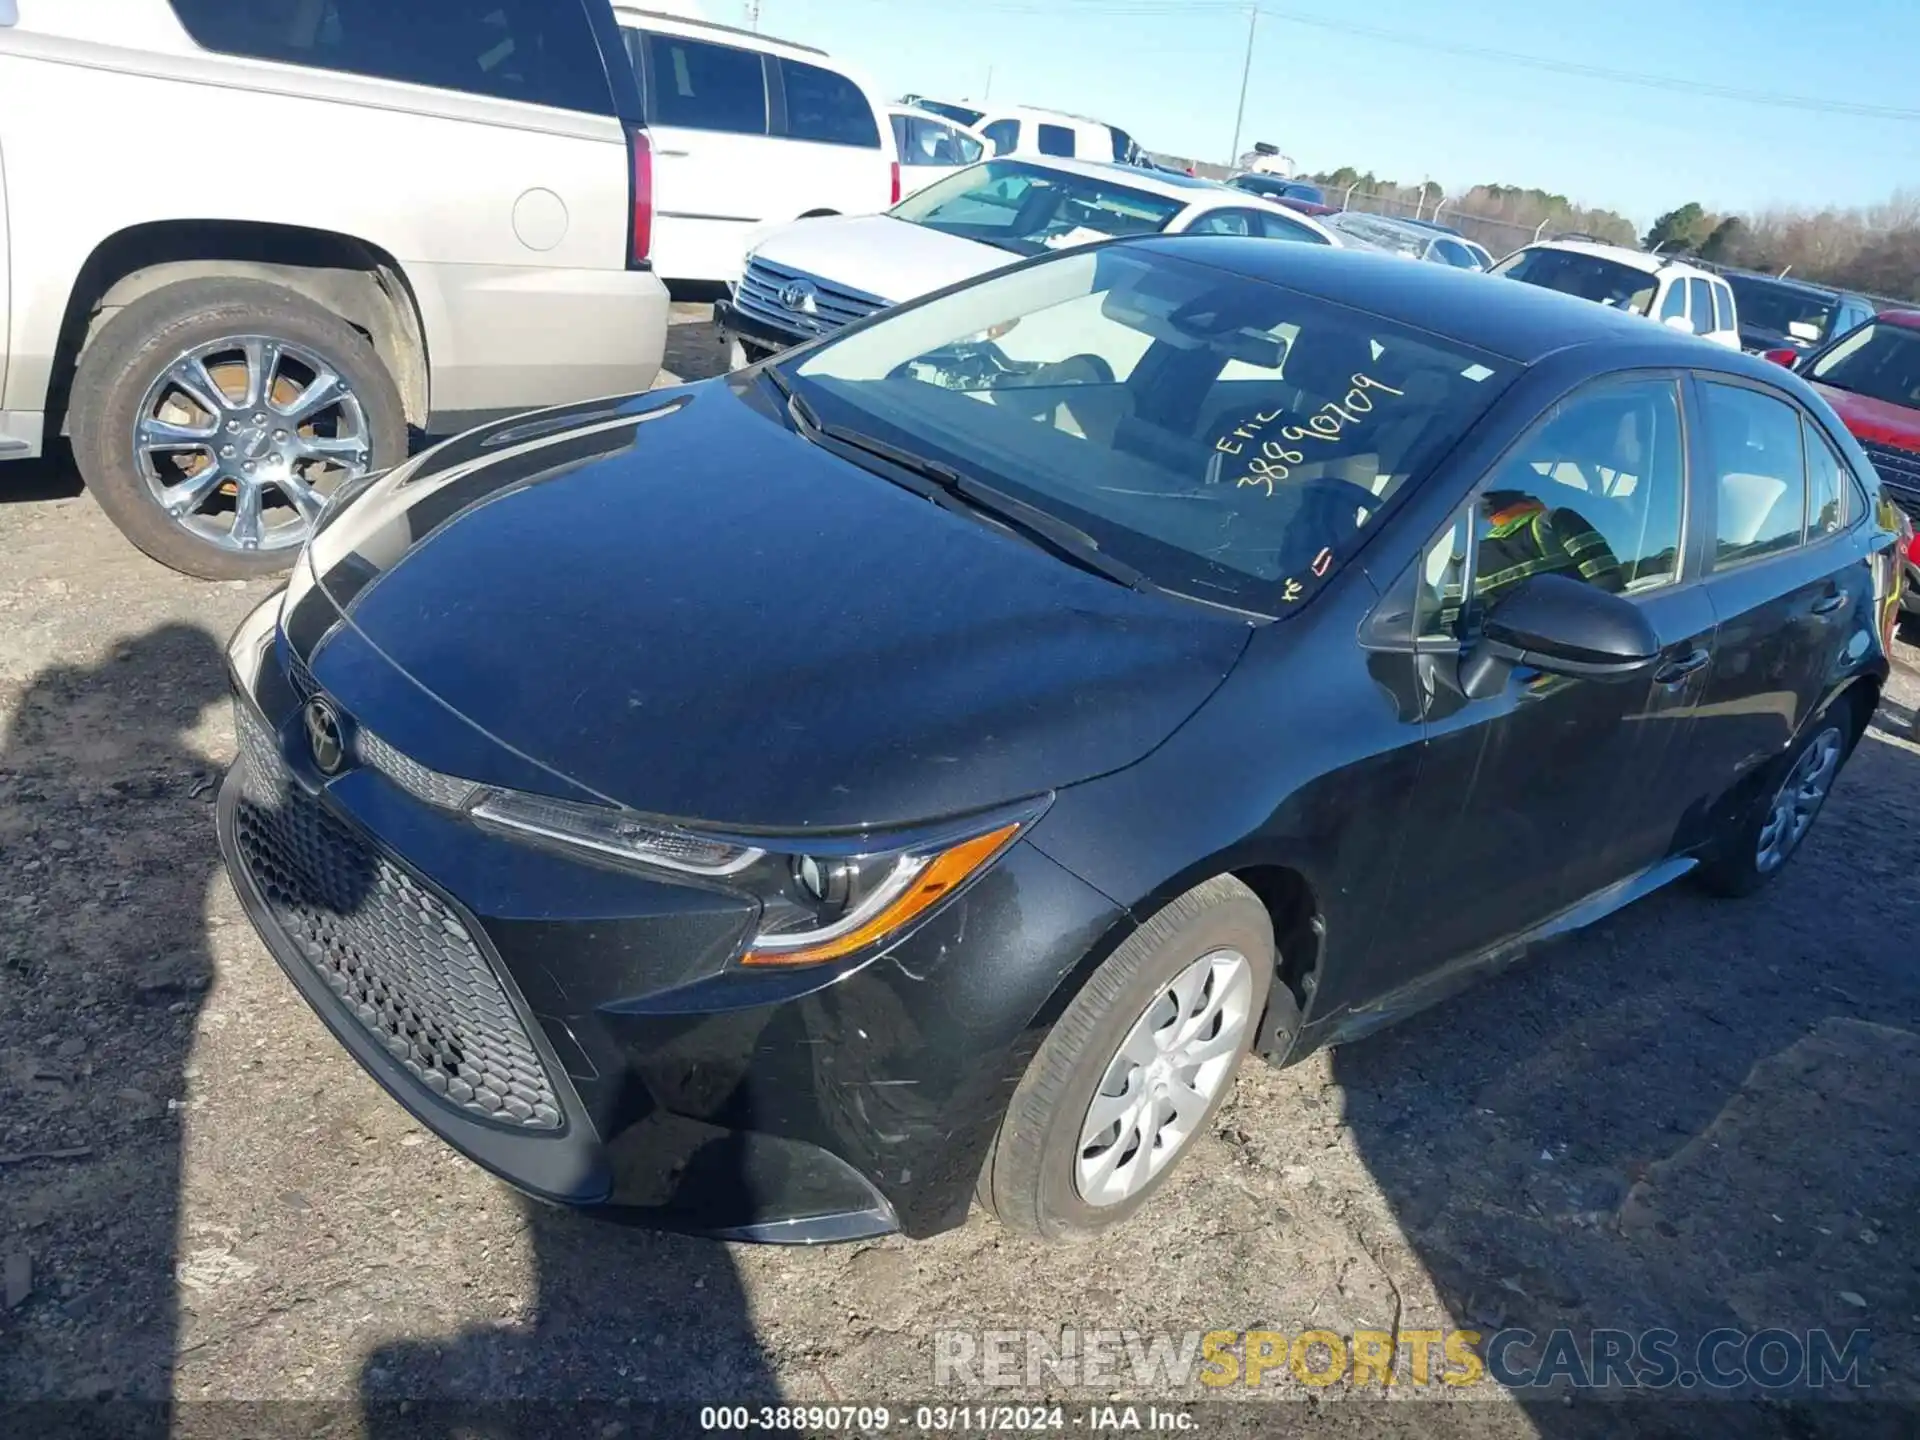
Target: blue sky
(1169,71)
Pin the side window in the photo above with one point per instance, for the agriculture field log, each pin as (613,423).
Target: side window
(904,130)
(1700,301)
(825,106)
(528,50)
(966,149)
(706,87)
(1723,313)
(1442,585)
(1827,489)
(1278,227)
(1758,470)
(1675,305)
(1226,222)
(1055,140)
(1005,135)
(1595,491)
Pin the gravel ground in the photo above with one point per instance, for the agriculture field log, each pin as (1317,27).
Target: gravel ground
(1697,1114)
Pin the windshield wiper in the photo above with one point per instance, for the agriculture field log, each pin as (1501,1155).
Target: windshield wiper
(944,483)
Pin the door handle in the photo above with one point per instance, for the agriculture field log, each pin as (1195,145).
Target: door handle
(1678,669)
(1830,603)
(674,154)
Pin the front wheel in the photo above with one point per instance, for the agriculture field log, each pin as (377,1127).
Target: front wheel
(1758,846)
(213,418)
(1135,1068)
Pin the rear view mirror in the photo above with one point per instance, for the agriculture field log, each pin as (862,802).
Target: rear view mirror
(1564,627)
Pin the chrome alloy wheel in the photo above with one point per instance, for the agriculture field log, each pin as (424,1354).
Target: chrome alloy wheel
(242,440)
(1798,800)
(1175,1060)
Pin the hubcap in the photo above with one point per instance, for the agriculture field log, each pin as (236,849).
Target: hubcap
(241,441)
(1798,800)
(1175,1060)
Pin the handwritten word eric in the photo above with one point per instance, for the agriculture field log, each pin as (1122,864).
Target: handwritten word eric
(1274,460)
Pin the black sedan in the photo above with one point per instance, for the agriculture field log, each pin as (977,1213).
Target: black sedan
(924,765)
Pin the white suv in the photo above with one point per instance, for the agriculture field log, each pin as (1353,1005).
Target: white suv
(1023,130)
(1681,296)
(250,245)
(749,129)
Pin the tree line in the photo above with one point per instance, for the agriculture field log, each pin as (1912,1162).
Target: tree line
(1872,248)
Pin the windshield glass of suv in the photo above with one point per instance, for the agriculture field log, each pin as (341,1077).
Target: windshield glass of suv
(1774,308)
(1591,277)
(1230,439)
(1029,209)
(1879,361)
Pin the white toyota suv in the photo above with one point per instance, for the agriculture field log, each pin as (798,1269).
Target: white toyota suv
(249,247)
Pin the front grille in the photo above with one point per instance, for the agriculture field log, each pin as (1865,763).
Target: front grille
(758,295)
(404,965)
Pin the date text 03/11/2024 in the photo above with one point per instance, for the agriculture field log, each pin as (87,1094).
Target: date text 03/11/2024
(944,1419)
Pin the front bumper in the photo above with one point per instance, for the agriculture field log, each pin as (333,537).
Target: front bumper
(580,1031)
(756,334)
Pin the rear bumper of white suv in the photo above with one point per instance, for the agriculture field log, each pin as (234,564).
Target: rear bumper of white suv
(502,339)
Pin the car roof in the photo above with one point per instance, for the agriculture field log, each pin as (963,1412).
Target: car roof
(1804,287)
(1639,259)
(1521,322)
(1031,112)
(1361,221)
(640,16)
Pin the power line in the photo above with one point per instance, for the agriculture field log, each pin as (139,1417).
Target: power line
(1429,44)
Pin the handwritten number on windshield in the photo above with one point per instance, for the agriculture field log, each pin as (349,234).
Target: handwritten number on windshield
(1275,459)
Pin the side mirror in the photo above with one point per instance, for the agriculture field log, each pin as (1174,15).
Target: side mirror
(1678,322)
(1785,355)
(1561,626)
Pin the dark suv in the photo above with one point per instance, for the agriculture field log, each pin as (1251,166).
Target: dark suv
(1781,314)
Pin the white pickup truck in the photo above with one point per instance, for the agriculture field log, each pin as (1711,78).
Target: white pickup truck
(250,248)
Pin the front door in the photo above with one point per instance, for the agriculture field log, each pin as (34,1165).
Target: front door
(1531,800)
(1788,582)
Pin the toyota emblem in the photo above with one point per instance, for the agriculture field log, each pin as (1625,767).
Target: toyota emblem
(324,739)
(800,297)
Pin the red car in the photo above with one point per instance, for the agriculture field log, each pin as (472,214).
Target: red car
(1871,378)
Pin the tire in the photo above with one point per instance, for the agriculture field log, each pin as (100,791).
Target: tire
(120,383)
(1033,1178)
(1752,851)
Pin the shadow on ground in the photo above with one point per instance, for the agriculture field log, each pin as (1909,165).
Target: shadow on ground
(1622,1139)
(102,985)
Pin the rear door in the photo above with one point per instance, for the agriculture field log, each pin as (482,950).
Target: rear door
(1789,585)
(835,155)
(931,150)
(715,168)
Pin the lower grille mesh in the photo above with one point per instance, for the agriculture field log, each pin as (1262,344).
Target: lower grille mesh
(402,962)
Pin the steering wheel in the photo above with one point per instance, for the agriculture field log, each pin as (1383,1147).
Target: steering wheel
(1081,369)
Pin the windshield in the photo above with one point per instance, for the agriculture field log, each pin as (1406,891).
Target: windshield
(966,115)
(1878,360)
(1230,439)
(1380,234)
(1776,308)
(1029,209)
(1591,277)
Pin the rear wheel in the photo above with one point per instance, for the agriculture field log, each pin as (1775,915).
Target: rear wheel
(213,418)
(1135,1068)
(1758,846)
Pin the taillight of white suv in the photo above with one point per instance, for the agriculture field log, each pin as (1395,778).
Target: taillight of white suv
(641,151)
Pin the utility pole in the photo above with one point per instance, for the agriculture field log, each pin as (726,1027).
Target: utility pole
(1246,73)
(753,15)
(987,94)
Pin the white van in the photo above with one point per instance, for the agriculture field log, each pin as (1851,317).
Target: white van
(747,129)
(1022,130)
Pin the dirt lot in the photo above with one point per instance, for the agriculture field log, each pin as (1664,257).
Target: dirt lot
(1699,1114)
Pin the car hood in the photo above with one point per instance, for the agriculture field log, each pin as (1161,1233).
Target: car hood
(1875,420)
(892,260)
(677,604)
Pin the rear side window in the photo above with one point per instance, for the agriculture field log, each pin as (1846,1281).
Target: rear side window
(1700,299)
(705,87)
(1827,488)
(1005,135)
(1722,307)
(536,51)
(1056,140)
(1760,471)
(825,106)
